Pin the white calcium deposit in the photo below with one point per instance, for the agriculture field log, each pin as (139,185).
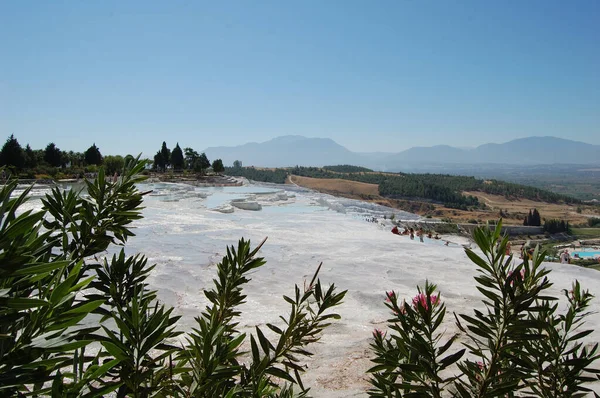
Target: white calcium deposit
(186,236)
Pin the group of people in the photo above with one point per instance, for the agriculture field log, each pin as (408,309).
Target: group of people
(411,232)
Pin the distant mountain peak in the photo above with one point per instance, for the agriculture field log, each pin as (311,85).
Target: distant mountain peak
(292,149)
(286,151)
(288,138)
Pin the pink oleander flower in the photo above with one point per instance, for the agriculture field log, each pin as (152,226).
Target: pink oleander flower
(377,333)
(522,276)
(389,296)
(401,309)
(479,377)
(421,299)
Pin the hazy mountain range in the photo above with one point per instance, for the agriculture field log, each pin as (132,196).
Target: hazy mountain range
(295,150)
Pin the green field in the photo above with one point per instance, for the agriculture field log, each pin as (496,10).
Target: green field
(586,232)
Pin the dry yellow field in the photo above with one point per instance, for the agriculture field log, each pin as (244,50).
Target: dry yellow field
(517,209)
(337,186)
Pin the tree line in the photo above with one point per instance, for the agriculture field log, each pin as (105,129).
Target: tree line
(50,161)
(186,159)
(347,168)
(27,162)
(552,226)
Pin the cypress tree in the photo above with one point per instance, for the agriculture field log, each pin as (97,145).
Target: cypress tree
(166,154)
(53,155)
(537,219)
(30,158)
(177,157)
(12,154)
(93,155)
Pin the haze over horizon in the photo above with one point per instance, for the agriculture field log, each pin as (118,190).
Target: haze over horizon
(384,76)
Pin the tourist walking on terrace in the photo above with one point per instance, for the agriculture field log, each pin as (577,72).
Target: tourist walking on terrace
(565,257)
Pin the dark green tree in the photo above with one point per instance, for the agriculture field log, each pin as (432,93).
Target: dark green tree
(177,157)
(166,154)
(93,155)
(202,163)
(533,219)
(190,157)
(536,218)
(53,155)
(217,166)
(237,164)
(159,162)
(554,226)
(70,158)
(39,154)
(114,164)
(77,159)
(12,154)
(30,158)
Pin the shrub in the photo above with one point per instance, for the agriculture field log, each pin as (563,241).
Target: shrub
(51,284)
(518,345)
(593,222)
(555,226)
(43,177)
(445,228)
(27,174)
(585,262)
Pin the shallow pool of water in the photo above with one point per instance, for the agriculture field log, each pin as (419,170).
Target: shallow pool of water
(586,254)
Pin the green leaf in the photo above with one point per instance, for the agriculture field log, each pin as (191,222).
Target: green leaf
(87,307)
(280,374)
(22,303)
(40,268)
(115,350)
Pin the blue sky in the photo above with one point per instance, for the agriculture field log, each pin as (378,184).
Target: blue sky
(372,75)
